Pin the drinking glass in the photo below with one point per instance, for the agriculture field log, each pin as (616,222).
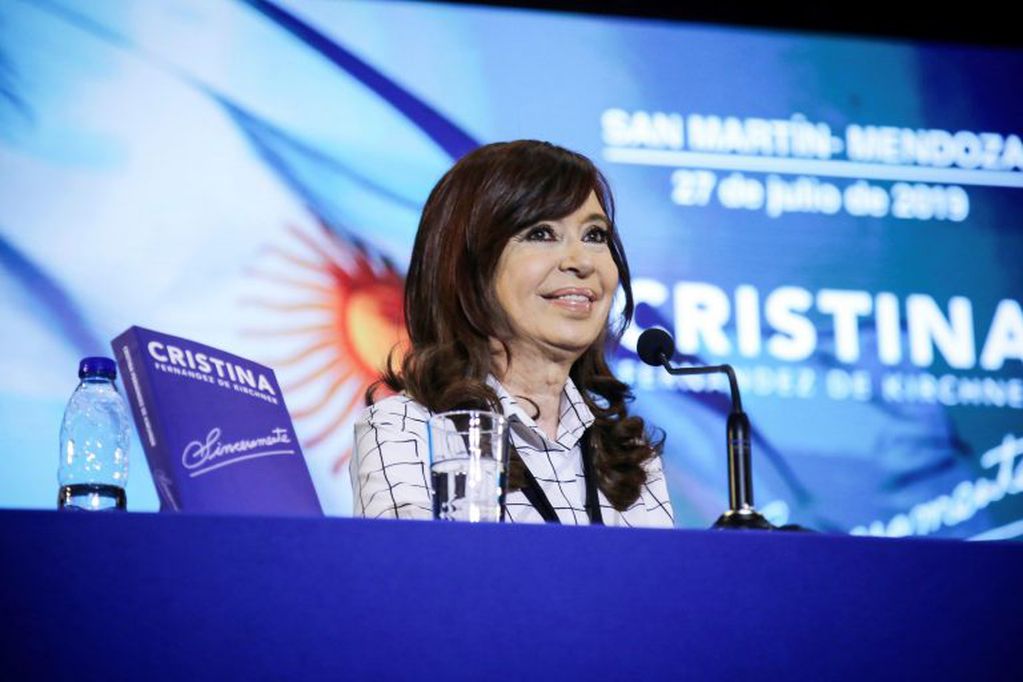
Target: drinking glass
(468,465)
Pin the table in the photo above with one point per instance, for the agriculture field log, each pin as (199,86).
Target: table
(159,596)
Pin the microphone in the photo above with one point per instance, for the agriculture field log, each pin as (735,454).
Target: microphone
(656,347)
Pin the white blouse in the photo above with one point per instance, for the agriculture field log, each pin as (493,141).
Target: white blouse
(390,465)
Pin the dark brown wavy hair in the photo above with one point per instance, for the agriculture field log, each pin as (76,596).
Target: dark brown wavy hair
(451,308)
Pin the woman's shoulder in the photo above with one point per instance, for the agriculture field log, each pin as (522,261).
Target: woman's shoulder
(654,465)
(394,407)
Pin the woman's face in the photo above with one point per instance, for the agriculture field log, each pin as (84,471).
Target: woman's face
(555,281)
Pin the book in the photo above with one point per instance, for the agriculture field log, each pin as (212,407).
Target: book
(216,432)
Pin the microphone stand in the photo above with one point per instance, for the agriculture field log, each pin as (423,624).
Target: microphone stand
(741,513)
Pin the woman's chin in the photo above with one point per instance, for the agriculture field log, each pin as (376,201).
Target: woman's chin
(573,345)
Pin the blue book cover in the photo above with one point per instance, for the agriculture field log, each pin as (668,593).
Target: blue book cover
(216,432)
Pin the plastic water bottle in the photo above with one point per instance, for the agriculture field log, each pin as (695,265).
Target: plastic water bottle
(94,440)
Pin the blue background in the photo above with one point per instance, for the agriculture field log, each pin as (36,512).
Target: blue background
(249,175)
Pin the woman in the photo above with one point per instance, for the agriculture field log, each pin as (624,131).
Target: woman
(507,301)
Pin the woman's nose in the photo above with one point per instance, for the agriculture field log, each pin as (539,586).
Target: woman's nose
(577,258)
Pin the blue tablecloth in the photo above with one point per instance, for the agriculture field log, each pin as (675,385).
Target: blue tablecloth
(147,596)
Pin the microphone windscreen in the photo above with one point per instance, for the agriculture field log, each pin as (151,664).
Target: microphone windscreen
(654,344)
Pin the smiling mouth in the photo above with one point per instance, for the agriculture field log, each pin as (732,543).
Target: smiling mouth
(571,297)
(577,301)
(572,294)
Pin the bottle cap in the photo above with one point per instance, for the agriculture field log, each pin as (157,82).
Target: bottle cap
(97,367)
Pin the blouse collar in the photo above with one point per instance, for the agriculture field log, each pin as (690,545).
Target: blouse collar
(574,416)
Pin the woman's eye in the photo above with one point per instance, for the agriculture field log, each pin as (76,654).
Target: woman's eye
(600,235)
(540,233)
